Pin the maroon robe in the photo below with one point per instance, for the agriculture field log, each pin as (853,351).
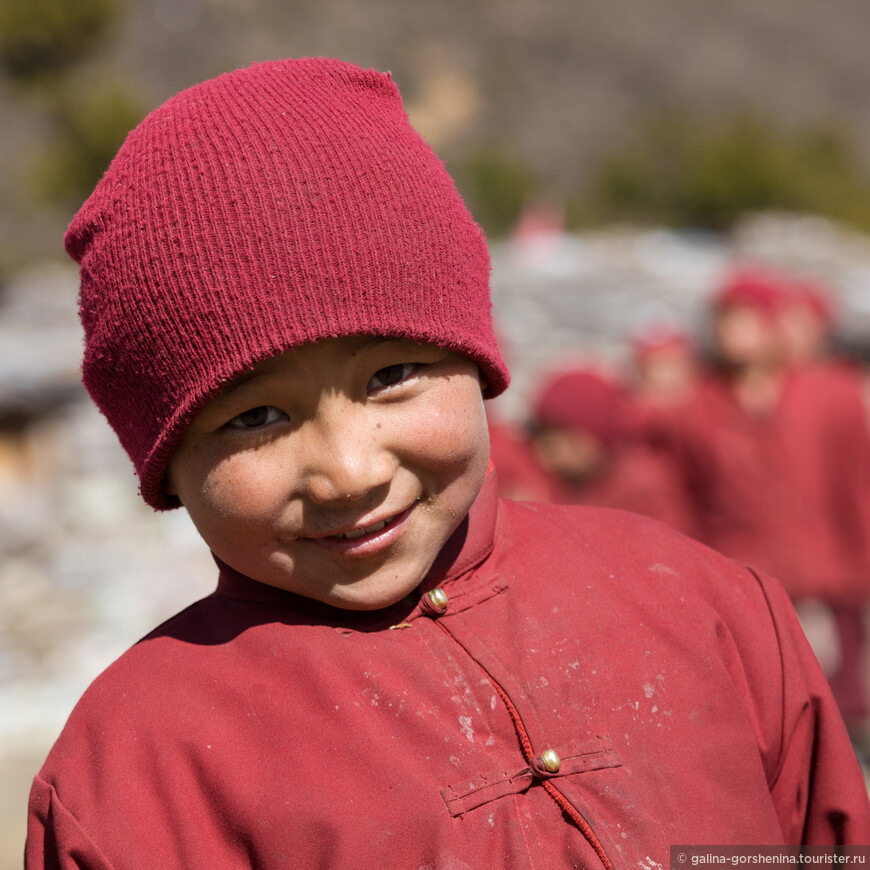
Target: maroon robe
(261,729)
(786,491)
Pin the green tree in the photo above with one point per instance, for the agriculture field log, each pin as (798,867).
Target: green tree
(90,128)
(496,186)
(688,174)
(41,38)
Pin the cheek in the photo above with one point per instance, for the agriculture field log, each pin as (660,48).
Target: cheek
(242,488)
(451,433)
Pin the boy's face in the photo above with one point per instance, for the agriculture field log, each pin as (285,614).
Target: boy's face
(574,455)
(745,335)
(291,473)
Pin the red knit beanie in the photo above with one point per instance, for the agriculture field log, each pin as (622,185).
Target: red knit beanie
(270,207)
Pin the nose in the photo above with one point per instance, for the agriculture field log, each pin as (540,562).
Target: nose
(348,456)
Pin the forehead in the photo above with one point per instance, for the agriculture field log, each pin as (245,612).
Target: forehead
(743,311)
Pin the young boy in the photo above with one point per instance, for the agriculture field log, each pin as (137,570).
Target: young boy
(776,459)
(287,322)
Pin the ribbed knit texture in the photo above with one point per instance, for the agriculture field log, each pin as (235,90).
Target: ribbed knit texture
(271,207)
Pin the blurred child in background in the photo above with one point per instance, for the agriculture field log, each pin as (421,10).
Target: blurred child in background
(775,456)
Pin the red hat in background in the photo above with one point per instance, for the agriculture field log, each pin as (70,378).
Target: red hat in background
(758,288)
(584,400)
(817,299)
(652,339)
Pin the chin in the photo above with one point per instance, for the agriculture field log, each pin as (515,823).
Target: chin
(370,597)
(367,602)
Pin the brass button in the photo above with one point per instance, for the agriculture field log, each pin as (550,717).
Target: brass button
(551,761)
(439,599)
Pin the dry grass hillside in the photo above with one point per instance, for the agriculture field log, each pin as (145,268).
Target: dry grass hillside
(555,84)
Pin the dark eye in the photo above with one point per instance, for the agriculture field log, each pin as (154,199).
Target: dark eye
(256,417)
(391,375)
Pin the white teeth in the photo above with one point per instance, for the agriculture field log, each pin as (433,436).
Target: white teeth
(358,533)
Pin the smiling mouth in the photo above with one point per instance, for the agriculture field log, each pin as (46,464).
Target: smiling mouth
(368,540)
(368,530)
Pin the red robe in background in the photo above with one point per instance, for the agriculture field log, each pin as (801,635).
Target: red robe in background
(788,492)
(639,479)
(519,475)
